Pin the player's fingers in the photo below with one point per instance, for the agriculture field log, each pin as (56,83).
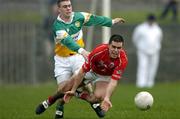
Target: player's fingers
(67,98)
(106,105)
(70,93)
(122,20)
(105,108)
(110,104)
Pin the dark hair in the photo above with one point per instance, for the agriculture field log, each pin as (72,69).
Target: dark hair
(59,1)
(151,17)
(116,38)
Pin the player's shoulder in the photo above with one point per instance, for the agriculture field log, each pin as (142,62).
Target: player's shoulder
(123,55)
(83,14)
(77,13)
(141,25)
(123,52)
(79,16)
(58,25)
(99,50)
(102,46)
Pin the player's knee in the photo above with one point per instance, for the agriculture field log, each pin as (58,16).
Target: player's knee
(65,86)
(60,89)
(98,96)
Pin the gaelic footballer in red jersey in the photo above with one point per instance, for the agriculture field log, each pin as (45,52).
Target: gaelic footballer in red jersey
(105,66)
(107,60)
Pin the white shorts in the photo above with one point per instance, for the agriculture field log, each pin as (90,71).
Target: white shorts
(93,77)
(65,67)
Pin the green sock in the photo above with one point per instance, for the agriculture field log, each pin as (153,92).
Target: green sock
(60,106)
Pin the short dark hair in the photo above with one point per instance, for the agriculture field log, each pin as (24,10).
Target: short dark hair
(116,38)
(151,17)
(59,1)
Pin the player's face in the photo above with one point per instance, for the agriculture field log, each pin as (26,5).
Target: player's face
(65,9)
(114,49)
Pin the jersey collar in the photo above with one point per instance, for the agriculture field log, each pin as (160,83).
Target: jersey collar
(58,18)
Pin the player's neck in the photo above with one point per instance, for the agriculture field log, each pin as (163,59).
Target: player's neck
(65,18)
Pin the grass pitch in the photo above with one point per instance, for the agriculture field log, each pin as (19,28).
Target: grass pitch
(19,102)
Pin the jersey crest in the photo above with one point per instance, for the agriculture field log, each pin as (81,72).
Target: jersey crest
(111,65)
(77,24)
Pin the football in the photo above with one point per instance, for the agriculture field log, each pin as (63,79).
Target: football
(143,100)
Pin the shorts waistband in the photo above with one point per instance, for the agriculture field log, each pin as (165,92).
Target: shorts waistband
(66,55)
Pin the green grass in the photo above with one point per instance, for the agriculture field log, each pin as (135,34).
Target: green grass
(19,102)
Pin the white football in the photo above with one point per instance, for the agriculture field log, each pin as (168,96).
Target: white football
(143,100)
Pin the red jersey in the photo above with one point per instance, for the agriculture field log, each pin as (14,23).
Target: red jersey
(100,62)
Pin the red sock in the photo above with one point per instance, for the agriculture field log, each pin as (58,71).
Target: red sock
(51,100)
(84,95)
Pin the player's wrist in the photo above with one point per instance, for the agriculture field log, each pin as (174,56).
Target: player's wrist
(113,21)
(80,50)
(107,98)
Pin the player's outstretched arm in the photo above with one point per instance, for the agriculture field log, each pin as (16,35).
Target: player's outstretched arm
(64,38)
(77,81)
(106,104)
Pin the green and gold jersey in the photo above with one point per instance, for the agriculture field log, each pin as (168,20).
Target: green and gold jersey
(69,36)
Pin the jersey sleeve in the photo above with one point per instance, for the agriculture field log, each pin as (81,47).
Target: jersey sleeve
(118,71)
(95,20)
(63,37)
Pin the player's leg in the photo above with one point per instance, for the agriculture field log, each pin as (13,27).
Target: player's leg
(62,87)
(100,89)
(101,83)
(93,101)
(74,63)
(48,102)
(99,93)
(165,11)
(142,72)
(62,74)
(153,66)
(174,12)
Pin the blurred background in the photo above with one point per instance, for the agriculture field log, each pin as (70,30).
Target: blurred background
(26,55)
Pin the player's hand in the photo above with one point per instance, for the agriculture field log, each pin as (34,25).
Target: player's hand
(68,95)
(85,54)
(118,20)
(106,105)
